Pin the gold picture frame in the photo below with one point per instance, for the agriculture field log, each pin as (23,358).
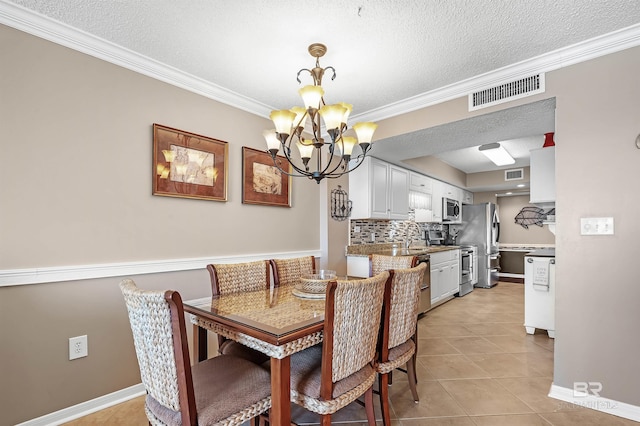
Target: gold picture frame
(262,182)
(188,165)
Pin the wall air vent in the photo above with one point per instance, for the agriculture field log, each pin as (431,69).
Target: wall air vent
(514,174)
(507,92)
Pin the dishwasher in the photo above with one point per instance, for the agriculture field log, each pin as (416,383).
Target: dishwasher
(425,286)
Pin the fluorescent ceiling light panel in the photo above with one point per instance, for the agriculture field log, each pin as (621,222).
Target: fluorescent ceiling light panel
(496,153)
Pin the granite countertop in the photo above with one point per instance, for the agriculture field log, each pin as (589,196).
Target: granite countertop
(545,252)
(364,250)
(525,247)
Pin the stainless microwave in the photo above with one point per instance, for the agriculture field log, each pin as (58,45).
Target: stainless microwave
(450,210)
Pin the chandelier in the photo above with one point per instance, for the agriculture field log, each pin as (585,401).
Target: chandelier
(293,126)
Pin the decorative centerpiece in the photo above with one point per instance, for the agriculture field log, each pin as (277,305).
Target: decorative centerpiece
(314,286)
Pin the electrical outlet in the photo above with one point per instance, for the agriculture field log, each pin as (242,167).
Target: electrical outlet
(78,347)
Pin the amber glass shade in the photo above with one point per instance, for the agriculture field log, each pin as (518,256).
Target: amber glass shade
(365,131)
(305,149)
(348,108)
(311,96)
(283,120)
(348,142)
(273,143)
(332,116)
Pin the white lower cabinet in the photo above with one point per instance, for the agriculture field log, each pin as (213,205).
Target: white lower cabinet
(358,266)
(445,275)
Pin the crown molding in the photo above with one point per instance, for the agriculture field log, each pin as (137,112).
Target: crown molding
(580,52)
(38,25)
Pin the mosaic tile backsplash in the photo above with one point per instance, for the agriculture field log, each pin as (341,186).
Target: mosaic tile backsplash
(376,231)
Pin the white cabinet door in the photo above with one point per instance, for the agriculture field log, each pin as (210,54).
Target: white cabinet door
(436,201)
(358,266)
(543,175)
(398,193)
(379,189)
(420,183)
(467,197)
(437,278)
(453,283)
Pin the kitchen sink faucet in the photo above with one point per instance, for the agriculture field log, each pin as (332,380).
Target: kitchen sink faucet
(410,226)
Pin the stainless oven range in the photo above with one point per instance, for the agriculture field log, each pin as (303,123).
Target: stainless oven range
(468,269)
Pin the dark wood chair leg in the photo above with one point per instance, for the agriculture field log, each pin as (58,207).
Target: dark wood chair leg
(384,399)
(411,373)
(368,404)
(326,420)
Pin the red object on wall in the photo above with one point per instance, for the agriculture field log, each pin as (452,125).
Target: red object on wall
(548,140)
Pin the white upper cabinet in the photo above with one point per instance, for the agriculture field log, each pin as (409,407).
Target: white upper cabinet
(467,197)
(420,197)
(379,190)
(451,192)
(436,201)
(420,183)
(543,175)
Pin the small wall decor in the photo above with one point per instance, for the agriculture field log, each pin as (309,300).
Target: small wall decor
(340,204)
(188,165)
(262,182)
(530,216)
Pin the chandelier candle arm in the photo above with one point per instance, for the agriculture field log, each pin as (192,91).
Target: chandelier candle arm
(291,127)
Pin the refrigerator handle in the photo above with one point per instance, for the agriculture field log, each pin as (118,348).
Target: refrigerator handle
(498,232)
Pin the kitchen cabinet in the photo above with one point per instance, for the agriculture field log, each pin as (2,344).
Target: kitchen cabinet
(379,190)
(436,201)
(467,197)
(445,275)
(451,192)
(358,266)
(543,175)
(420,183)
(420,198)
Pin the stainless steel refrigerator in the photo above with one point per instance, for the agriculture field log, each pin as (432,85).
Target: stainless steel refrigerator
(481,227)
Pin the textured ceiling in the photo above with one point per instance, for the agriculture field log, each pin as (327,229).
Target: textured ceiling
(386,53)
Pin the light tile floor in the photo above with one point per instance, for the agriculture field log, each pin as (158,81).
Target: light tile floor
(476,367)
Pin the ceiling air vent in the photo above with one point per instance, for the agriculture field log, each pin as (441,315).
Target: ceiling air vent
(514,174)
(507,92)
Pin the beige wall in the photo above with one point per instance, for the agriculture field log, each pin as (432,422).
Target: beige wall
(78,132)
(597,112)
(76,190)
(476,180)
(440,170)
(597,122)
(512,233)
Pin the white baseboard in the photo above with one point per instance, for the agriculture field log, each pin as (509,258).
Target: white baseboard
(597,403)
(85,408)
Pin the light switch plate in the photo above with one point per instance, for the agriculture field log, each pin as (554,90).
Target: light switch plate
(596,226)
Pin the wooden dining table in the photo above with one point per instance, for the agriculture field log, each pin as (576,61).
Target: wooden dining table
(274,321)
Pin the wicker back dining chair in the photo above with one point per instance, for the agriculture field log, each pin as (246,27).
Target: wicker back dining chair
(178,394)
(327,377)
(381,262)
(398,341)
(287,271)
(228,278)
